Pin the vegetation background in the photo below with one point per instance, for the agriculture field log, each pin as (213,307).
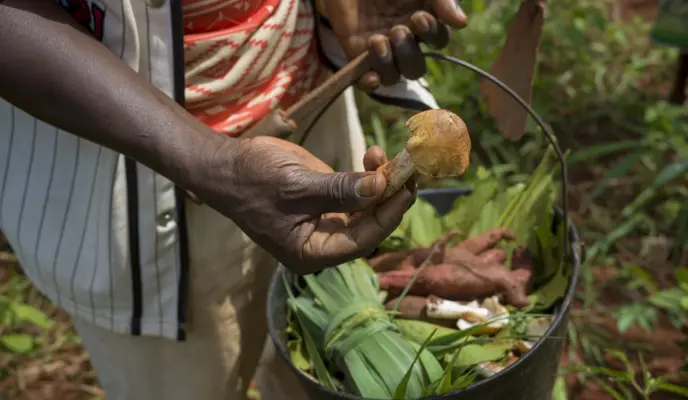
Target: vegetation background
(600,84)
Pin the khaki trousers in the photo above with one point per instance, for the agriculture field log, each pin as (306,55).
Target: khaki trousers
(227,329)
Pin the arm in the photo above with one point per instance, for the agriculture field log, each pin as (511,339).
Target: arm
(53,70)
(284,198)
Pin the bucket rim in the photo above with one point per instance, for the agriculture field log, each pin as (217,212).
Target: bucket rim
(577,255)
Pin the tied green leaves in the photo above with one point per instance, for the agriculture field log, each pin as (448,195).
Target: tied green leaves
(345,327)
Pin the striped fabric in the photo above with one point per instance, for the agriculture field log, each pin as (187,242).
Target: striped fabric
(244,57)
(100,235)
(63,200)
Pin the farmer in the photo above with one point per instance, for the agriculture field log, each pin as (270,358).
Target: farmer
(168,294)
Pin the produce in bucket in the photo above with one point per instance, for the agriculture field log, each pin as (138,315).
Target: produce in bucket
(448,301)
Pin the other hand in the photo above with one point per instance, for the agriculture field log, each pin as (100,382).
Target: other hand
(389,29)
(297,208)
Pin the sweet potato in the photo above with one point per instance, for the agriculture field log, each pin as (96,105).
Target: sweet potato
(521,259)
(400,260)
(480,243)
(472,269)
(388,261)
(468,281)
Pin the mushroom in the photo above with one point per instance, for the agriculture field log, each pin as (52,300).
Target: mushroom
(523,346)
(497,310)
(538,326)
(470,314)
(448,309)
(488,369)
(493,310)
(534,330)
(438,146)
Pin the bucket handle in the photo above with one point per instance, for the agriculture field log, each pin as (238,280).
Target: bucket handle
(545,129)
(551,138)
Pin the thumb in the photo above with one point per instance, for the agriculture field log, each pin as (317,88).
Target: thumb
(343,191)
(450,12)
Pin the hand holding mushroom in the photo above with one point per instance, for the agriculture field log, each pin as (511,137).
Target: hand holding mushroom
(438,146)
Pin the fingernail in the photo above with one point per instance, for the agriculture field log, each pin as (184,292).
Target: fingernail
(399,32)
(373,82)
(421,22)
(459,9)
(365,187)
(380,47)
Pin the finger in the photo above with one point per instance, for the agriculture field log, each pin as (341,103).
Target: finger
(331,243)
(382,59)
(412,186)
(408,57)
(374,158)
(450,12)
(412,183)
(372,228)
(369,81)
(431,32)
(323,193)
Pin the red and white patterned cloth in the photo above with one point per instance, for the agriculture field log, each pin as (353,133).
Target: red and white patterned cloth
(244,58)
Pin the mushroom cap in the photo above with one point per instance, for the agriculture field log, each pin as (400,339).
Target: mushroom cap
(439,143)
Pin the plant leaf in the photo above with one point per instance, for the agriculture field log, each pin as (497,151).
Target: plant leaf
(681,274)
(559,391)
(591,153)
(472,354)
(670,387)
(463,213)
(667,174)
(27,313)
(17,342)
(619,170)
(400,392)
(681,238)
(419,228)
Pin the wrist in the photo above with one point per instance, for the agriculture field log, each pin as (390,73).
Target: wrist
(189,155)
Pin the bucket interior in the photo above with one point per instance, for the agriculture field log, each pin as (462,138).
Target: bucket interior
(442,200)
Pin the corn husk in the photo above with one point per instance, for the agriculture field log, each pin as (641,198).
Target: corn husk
(341,311)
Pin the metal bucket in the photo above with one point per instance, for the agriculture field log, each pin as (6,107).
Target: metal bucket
(532,377)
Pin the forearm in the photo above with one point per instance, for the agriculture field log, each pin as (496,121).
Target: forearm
(51,69)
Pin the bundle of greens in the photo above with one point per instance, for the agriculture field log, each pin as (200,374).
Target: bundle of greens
(343,321)
(448,300)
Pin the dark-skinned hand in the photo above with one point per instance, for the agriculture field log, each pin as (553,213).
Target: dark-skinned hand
(297,208)
(390,30)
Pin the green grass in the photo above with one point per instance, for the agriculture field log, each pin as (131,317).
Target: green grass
(600,86)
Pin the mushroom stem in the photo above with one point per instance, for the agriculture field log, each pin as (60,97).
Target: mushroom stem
(397,172)
(448,309)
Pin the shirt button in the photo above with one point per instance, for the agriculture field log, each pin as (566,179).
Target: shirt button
(155,3)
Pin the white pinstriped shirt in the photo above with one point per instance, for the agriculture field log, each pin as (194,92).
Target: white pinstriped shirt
(102,236)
